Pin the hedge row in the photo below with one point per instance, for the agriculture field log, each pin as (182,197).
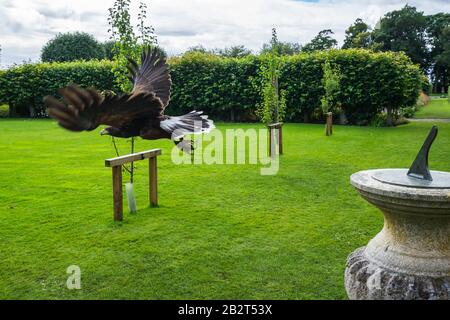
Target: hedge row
(227,88)
(23,87)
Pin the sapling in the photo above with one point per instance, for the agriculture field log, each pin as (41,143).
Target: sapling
(128,45)
(331,83)
(272,109)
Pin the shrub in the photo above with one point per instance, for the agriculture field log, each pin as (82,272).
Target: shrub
(23,87)
(108,49)
(4,111)
(71,47)
(222,87)
(423,100)
(228,88)
(408,112)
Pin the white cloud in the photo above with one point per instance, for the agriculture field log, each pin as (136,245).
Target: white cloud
(26,25)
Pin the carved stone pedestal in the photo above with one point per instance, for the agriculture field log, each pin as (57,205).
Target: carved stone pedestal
(410,257)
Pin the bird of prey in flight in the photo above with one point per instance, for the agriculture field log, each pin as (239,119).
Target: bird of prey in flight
(136,114)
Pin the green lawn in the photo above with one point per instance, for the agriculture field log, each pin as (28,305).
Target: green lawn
(436,109)
(221,231)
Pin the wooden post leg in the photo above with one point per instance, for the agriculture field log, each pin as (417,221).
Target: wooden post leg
(280,139)
(153,183)
(273,142)
(117,193)
(270,142)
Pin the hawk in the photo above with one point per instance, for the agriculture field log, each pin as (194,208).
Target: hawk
(136,114)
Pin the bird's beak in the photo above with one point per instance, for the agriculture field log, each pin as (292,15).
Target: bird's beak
(104,132)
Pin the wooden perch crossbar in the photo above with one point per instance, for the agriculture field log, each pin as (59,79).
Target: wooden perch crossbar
(132,158)
(116,165)
(277,125)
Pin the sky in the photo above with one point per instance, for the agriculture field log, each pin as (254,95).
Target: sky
(26,25)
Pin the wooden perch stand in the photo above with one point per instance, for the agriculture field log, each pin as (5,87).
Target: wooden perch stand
(273,135)
(116,165)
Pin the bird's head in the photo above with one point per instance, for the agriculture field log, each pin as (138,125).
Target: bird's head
(106,132)
(115,132)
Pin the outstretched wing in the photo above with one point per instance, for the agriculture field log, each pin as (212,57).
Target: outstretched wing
(86,109)
(152,76)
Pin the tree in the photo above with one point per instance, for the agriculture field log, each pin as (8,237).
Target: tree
(279,47)
(273,106)
(108,49)
(358,35)
(404,30)
(127,45)
(323,41)
(198,48)
(438,30)
(234,52)
(146,33)
(72,46)
(331,84)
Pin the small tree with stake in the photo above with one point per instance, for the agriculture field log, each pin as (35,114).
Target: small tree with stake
(331,83)
(128,45)
(273,106)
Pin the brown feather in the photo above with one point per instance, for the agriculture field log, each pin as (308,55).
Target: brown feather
(152,76)
(86,109)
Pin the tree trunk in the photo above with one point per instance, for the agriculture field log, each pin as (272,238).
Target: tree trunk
(277,98)
(12,110)
(343,118)
(389,120)
(445,82)
(32,112)
(306,118)
(232,115)
(329,124)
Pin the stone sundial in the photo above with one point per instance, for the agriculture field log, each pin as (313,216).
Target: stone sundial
(418,176)
(410,257)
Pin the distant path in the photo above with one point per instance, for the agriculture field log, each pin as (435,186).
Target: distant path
(430,120)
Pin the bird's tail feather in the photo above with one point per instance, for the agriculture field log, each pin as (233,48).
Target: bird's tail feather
(192,123)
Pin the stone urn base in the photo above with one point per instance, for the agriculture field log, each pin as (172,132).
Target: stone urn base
(410,258)
(365,280)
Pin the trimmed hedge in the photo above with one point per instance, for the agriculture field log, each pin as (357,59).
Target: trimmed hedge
(224,87)
(23,87)
(228,88)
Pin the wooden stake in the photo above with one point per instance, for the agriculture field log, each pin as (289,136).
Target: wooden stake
(275,136)
(153,183)
(270,142)
(280,139)
(117,193)
(329,125)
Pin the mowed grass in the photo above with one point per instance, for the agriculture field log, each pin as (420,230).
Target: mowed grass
(436,109)
(220,232)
